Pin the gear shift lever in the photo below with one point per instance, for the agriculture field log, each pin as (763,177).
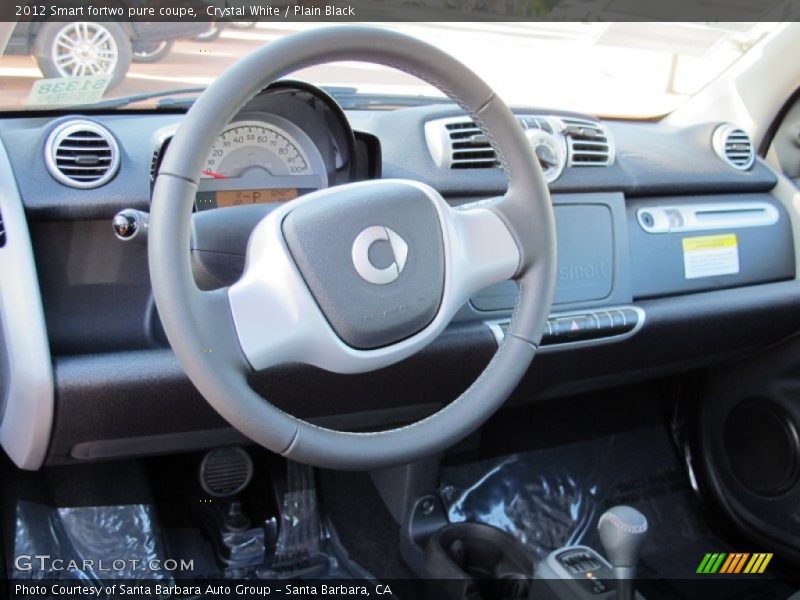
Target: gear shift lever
(623,530)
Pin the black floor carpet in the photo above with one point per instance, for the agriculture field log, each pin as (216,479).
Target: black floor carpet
(365,527)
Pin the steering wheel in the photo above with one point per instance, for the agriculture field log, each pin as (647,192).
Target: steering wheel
(356,277)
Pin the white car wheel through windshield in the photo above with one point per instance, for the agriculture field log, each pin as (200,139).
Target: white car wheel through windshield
(83,49)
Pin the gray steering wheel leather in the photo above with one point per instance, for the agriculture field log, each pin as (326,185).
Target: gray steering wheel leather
(199,324)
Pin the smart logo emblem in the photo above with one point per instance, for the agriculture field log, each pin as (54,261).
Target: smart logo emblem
(363,264)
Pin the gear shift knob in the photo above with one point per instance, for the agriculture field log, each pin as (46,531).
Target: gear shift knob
(623,530)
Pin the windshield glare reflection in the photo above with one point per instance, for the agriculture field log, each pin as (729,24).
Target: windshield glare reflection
(622,69)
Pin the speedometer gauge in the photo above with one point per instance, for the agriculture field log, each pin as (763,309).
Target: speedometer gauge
(259,158)
(255,144)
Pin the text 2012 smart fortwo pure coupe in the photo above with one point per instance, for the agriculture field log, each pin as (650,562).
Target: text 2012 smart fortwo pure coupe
(336,311)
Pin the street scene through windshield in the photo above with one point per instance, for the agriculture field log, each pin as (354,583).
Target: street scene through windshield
(617,69)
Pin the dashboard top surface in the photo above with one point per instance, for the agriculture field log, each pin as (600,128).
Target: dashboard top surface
(650,159)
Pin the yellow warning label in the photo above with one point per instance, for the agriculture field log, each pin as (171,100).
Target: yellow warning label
(709,242)
(710,256)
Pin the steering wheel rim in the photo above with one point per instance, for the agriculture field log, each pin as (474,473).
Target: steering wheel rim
(204,328)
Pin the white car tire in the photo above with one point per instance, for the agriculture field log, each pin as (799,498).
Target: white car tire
(152,52)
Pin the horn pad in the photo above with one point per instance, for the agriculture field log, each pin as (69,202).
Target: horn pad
(373,258)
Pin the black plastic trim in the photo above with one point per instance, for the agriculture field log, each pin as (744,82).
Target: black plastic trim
(145,393)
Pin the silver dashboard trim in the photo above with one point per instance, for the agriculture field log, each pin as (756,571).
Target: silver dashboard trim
(495,326)
(706,216)
(27,416)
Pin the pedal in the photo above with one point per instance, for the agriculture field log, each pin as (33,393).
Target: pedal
(298,548)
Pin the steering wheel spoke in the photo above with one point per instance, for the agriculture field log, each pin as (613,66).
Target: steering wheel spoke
(482,251)
(275,317)
(217,341)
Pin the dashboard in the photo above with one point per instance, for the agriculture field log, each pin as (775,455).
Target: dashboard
(633,301)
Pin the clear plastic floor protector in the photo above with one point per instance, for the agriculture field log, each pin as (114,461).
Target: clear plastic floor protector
(552,497)
(92,544)
(306,545)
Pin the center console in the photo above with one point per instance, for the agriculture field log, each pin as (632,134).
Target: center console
(470,560)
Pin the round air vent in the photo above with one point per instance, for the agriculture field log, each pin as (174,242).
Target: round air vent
(82,154)
(734,146)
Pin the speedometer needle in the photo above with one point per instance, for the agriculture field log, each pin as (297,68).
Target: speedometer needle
(214,174)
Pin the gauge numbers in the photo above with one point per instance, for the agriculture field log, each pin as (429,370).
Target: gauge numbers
(246,145)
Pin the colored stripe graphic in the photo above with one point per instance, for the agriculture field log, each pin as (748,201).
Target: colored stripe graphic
(734,563)
(727,564)
(758,563)
(764,564)
(740,564)
(703,563)
(711,563)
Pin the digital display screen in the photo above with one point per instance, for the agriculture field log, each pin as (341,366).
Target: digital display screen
(226,198)
(239,197)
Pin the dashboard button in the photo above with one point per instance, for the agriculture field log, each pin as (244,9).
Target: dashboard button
(617,321)
(603,321)
(573,326)
(592,323)
(631,317)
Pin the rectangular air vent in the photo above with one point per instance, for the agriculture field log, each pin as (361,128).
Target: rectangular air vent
(458,143)
(469,147)
(588,143)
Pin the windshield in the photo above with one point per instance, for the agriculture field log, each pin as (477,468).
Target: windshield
(612,69)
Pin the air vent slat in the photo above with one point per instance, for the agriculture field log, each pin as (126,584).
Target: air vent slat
(97,168)
(593,143)
(82,149)
(82,154)
(471,145)
(583,152)
(68,158)
(86,137)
